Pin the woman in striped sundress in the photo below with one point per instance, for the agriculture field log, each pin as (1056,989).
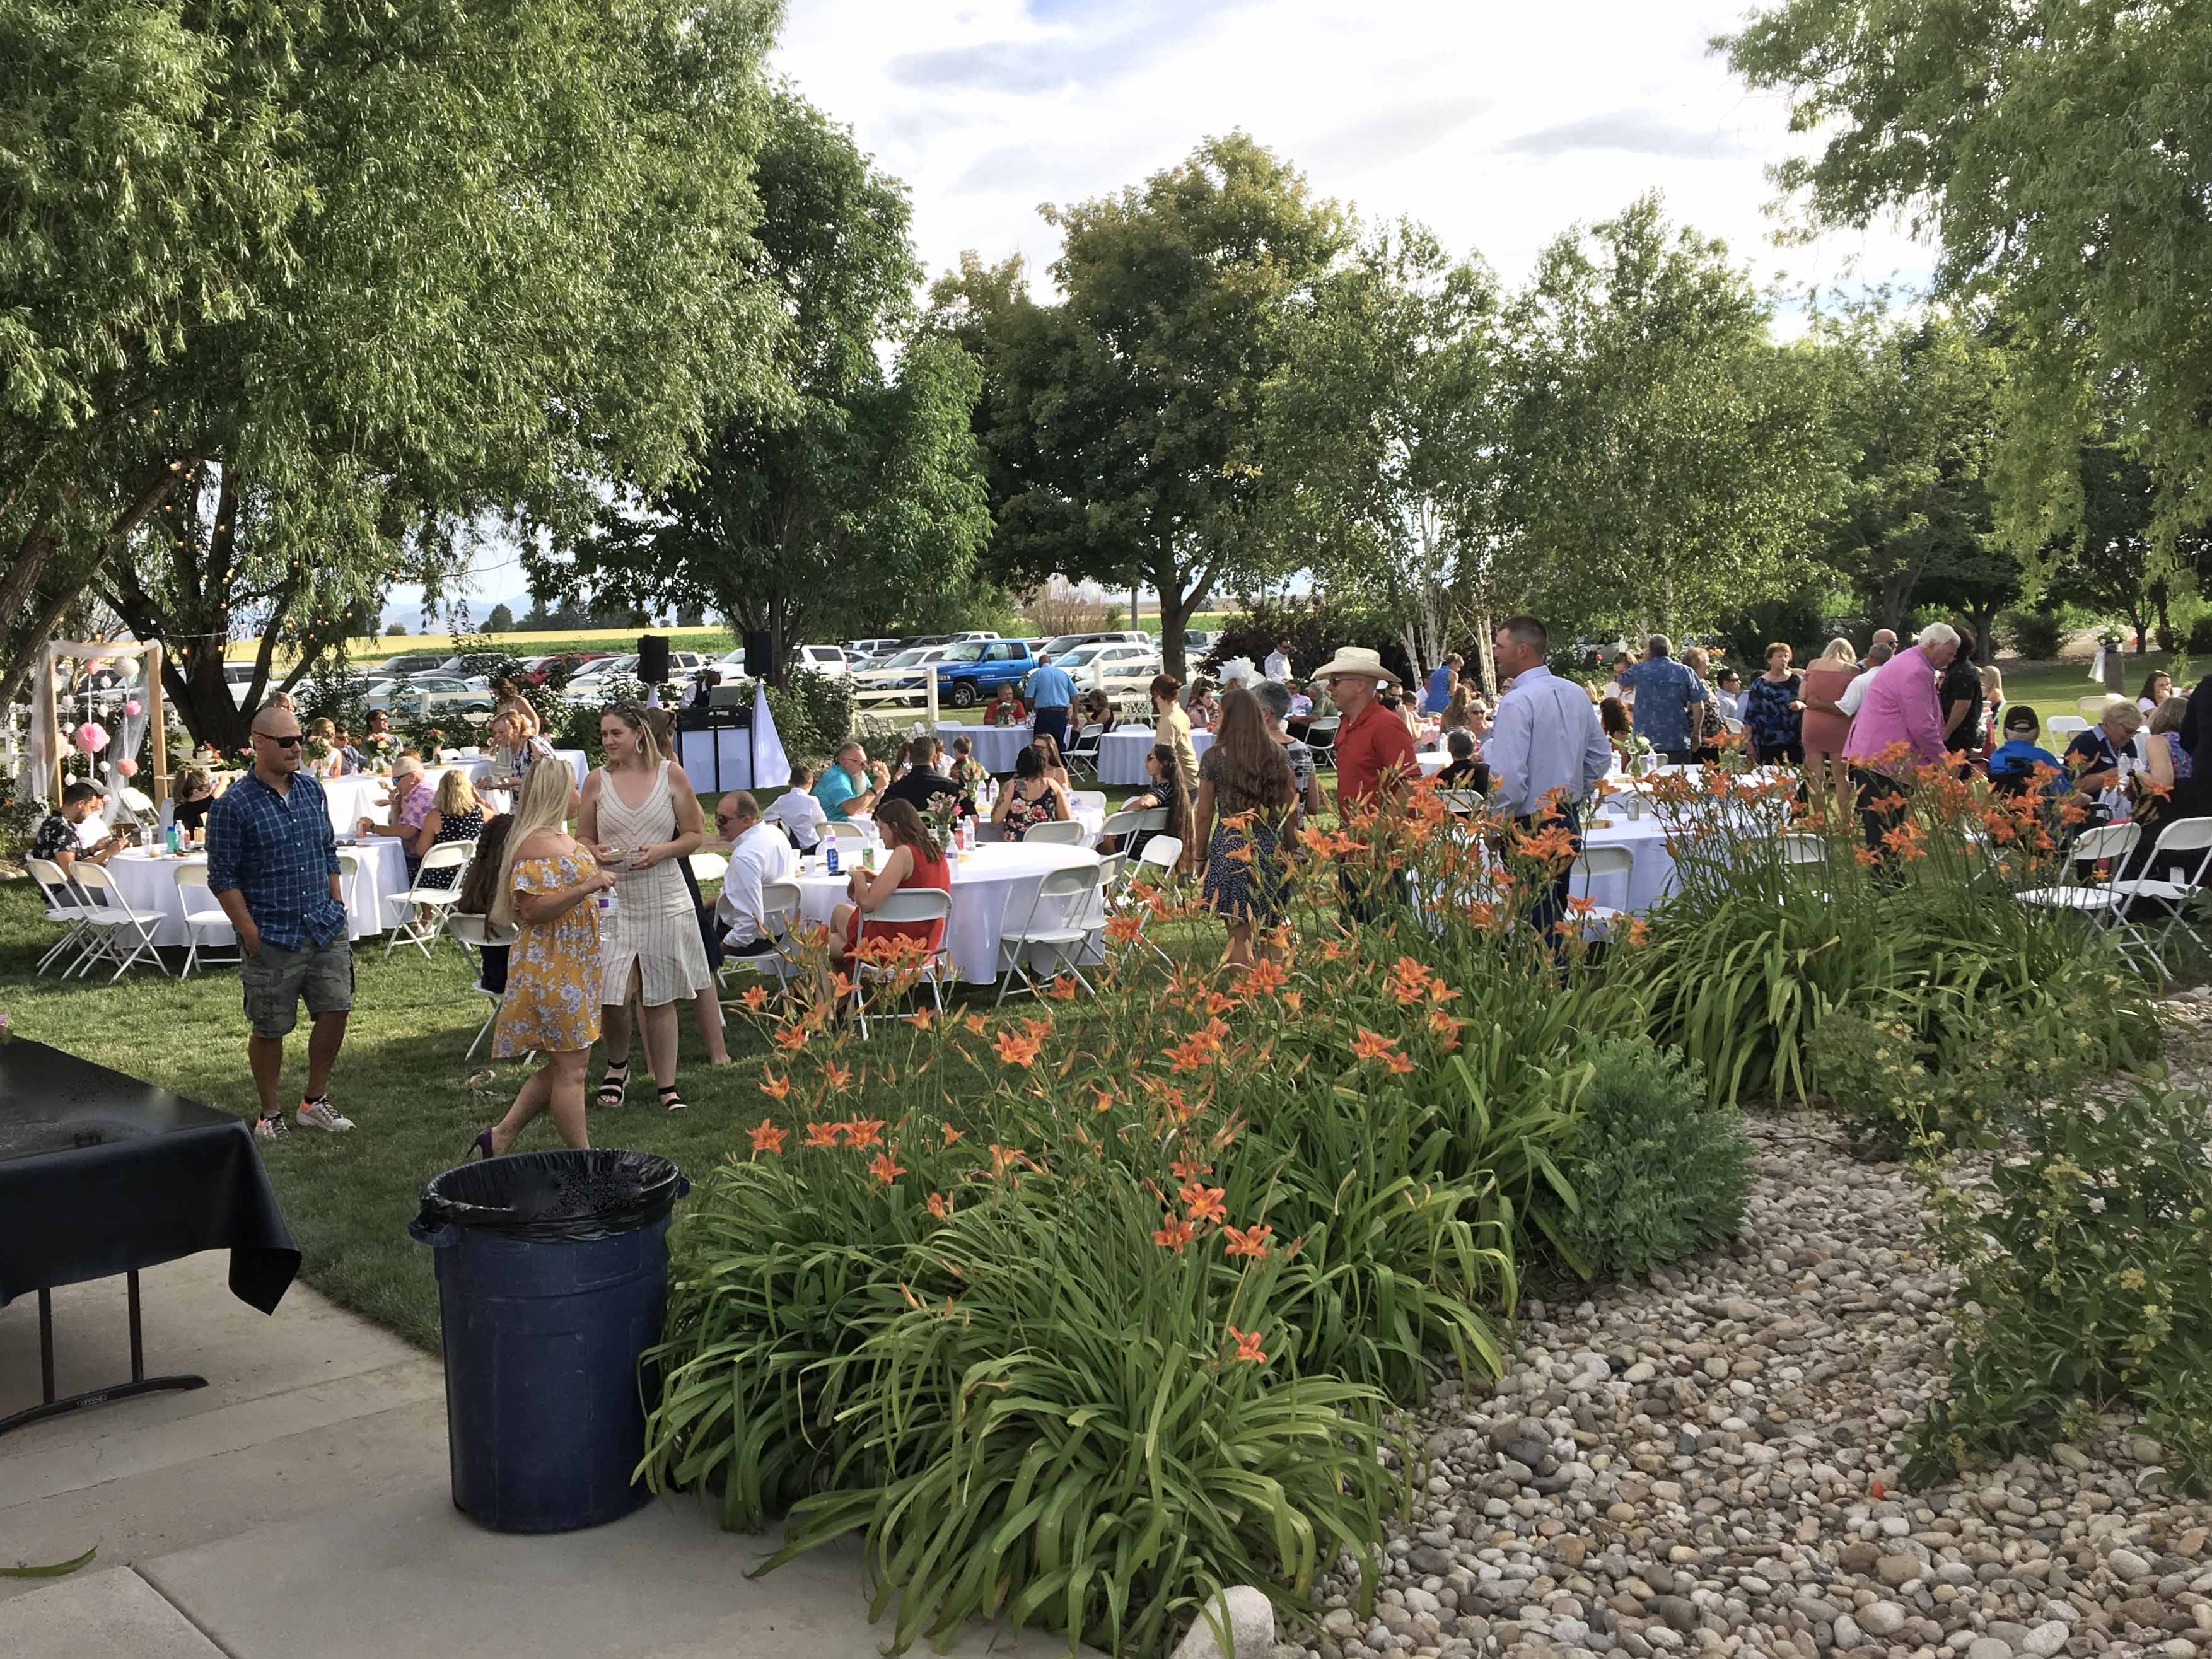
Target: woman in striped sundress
(640,817)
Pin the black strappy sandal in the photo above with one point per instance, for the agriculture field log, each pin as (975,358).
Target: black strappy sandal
(612,1086)
(673,1100)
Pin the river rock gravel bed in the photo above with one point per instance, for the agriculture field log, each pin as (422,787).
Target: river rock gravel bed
(1708,1461)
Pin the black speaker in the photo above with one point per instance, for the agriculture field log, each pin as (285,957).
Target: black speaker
(757,654)
(653,658)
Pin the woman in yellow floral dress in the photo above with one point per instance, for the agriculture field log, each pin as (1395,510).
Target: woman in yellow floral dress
(548,891)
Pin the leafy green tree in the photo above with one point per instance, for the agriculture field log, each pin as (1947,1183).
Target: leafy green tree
(842,487)
(500,620)
(1914,402)
(2108,563)
(1126,422)
(1384,429)
(487,256)
(1664,462)
(2054,151)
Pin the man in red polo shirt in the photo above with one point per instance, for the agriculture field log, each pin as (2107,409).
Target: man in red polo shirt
(1374,751)
(1374,759)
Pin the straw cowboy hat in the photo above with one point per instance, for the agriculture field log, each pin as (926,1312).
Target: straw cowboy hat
(1356,659)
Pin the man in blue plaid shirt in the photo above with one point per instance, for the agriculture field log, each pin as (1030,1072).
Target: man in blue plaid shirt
(273,866)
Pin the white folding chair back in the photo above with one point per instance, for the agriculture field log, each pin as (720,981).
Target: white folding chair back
(1161,853)
(1124,824)
(1581,881)
(2093,706)
(779,901)
(845,832)
(476,933)
(423,911)
(1066,832)
(708,866)
(117,923)
(1160,856)
(2099,900)
(205,922)
(2171,892)
(1463,802)
(1734,728)
(2066,726)
(1083,753)
(1087,800)
(1320,736)
(910,904)
(1069,895)
(1800,848)
(69,907)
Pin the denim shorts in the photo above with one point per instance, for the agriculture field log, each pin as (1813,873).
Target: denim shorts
(276,979)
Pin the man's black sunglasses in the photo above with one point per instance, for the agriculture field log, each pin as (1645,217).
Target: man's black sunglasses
(292,742)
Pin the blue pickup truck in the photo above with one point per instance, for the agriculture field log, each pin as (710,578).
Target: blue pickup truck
(969,673)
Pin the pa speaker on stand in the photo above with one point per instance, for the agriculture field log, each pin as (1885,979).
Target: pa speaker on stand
(653,658)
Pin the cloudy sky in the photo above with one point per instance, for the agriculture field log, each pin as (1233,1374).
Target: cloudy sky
(1498,125)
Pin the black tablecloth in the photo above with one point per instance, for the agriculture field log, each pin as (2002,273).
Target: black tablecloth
(100,1174)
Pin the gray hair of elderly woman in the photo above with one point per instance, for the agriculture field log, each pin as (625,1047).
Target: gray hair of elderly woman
(1273,696)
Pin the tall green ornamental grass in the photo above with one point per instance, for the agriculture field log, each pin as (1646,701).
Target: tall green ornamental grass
(1755,955)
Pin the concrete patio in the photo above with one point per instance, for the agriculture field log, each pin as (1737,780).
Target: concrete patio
(299,1504)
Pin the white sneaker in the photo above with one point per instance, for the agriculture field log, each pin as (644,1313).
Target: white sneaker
(317,1114)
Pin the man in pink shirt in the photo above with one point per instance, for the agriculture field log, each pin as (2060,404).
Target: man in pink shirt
(1900,707)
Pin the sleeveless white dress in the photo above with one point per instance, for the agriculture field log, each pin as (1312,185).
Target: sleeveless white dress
(654,925)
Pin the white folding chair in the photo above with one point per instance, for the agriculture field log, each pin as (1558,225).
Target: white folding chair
(2099,899)
(1463,803)
(1120,826)
(2065,726)
(779,910)
(474,932)
(116,924)
(909,905)
(1321,737)
(1799,847)
(1082,755)
(1156,865)
(422,912)
(69,907)
(1593,863)
(2185,836)
(1734,728)
(1066,832)
(708,866)
(1072,892)
(845,835)
(205,922)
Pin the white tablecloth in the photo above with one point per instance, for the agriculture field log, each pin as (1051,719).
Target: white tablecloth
(1653,877)
(1122,753)
(993,888)
(1433,761)
(150,883)
(361,796)
(995,745)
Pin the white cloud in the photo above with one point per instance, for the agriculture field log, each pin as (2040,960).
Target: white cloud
(1497,126)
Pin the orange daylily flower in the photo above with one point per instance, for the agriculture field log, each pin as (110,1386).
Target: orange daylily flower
(951,1133)
(863,1132)
(823,1134)
(790,1038)
(922,1018)
(1017,1049)
(1189,1168)
(1203,1202)
(837,1076)
(1373,1045)
(974,1023)
(756,998)
(884,1171)
(939,1205)
(1062,989)
(1248,1347)
(1174,1233)
(767,1138)
(1408,981)
(775,1087)
(1248,1241)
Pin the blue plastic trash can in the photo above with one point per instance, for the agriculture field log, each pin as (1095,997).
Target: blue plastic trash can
(552,1274)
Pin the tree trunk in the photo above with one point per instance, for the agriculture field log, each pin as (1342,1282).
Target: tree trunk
(1175,608)
(1486,657)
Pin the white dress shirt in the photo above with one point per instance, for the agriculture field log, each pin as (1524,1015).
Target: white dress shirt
(1855,694)
(797,810)
(761,854)
(1546,736)
(1277,667)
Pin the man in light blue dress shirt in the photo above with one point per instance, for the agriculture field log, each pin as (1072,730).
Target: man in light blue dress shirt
(1547,748)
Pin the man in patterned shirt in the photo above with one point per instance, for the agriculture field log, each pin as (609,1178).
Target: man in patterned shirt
(1664,689)
(273,866)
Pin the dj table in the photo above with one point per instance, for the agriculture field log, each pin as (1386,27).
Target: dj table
(102,1174)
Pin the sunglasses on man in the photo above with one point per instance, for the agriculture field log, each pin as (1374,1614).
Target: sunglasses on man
(292,742)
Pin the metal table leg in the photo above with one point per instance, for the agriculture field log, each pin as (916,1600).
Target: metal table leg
(139,1383)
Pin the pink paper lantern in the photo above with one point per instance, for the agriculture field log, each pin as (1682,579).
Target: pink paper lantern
(91,735)
(127,767)
(133,709)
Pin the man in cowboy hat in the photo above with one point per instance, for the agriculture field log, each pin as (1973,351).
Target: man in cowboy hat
(1374,751)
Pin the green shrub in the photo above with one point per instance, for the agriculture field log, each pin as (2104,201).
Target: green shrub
(2084,1285)
(1657,1172)
(2038,635)
(813,712)
(1316,628)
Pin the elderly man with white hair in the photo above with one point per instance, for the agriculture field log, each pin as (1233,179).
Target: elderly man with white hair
(1901,710)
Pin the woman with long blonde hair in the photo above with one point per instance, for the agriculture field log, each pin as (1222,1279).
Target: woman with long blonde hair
(1824,727)
(547,884)
(640,817)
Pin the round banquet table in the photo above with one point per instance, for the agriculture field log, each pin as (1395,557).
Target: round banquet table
(995,747)
(1433,761)
(1122,753)
(993,888)
(148,881)
(361,796)
(1652,877)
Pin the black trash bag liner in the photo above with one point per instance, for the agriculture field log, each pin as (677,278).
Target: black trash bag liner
(564,1197)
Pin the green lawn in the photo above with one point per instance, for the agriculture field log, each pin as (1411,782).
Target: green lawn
(2053,687)
(402,1079)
